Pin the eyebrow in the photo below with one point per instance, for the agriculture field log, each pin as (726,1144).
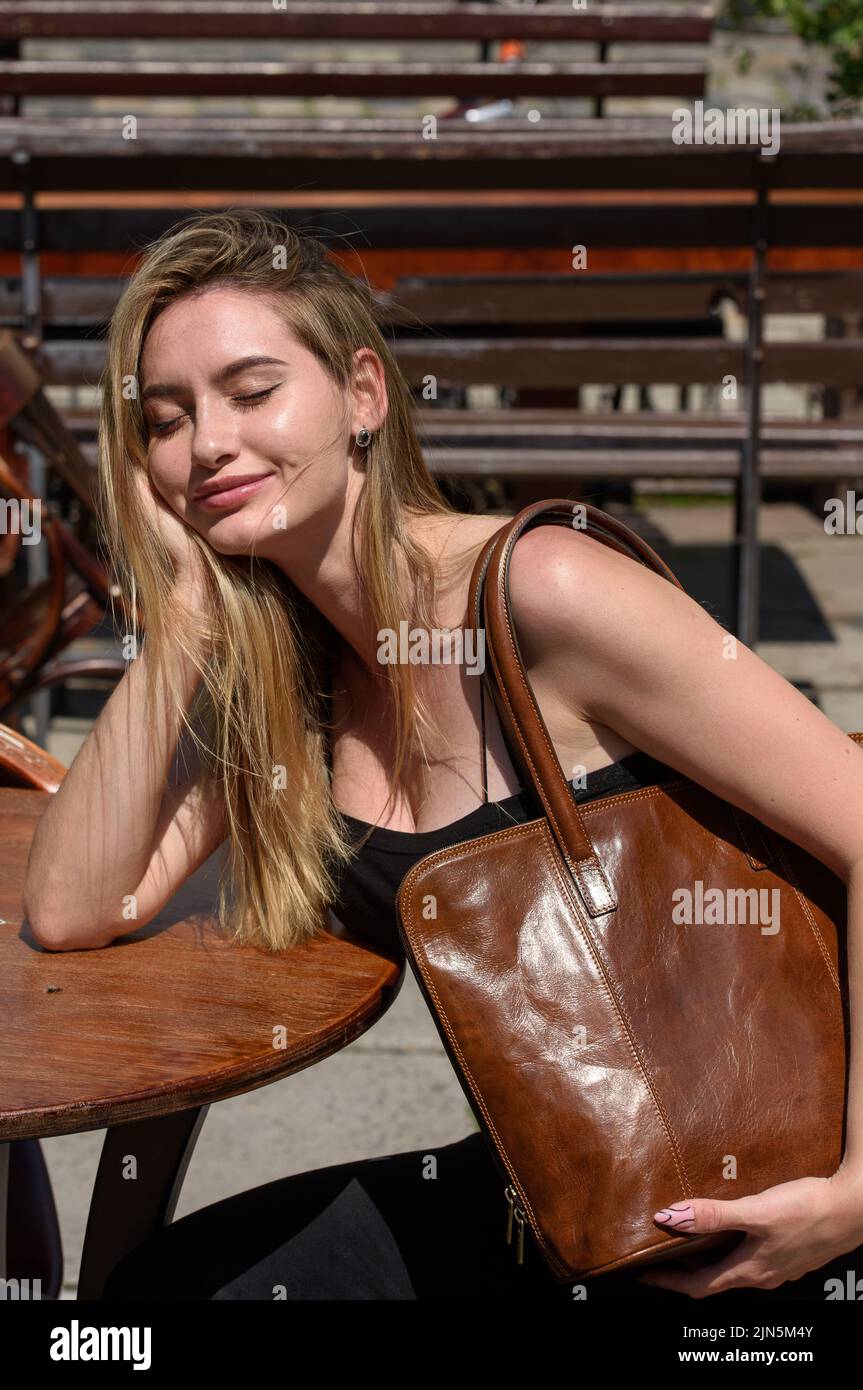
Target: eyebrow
(224,374)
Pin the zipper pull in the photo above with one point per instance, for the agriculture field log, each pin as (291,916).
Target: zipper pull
(509,1194)
(519,1217)
(514,1213)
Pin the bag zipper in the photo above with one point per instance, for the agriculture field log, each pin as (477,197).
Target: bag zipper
(514,1212)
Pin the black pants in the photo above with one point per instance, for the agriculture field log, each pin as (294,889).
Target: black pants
(377,1229)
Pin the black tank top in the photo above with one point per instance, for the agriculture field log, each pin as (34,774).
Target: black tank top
(365,901)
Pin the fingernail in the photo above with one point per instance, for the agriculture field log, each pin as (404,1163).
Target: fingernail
(676,1215)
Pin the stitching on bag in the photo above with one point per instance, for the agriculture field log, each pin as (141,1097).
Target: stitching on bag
(548,846)
(590,808)
(624,1018)
(642,1250)
(811,920)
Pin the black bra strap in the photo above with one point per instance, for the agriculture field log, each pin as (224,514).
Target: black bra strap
(328,747)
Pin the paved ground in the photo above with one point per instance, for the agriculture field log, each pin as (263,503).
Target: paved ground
(394,1088)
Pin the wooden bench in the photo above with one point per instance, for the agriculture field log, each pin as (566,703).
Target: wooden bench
(546,313)
(579,309)
(251,21)
(528,330)
(799,203)
(659,321)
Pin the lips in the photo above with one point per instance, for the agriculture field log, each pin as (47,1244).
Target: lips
(227,484)
(231,496)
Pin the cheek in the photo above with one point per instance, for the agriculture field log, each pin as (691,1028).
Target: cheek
(169,478)
(298,426)
(277,436)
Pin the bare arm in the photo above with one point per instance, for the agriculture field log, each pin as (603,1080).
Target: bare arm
(116,828)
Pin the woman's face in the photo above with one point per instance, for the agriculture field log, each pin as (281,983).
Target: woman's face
(215,412)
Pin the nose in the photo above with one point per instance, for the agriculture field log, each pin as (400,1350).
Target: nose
(214,434)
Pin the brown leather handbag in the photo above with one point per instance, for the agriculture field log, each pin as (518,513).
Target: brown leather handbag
(618,1060)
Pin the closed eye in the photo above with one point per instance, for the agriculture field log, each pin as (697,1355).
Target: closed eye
(166,427)
(250,401)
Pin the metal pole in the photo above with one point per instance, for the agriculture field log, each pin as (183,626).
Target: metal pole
(748,495)
(31,315)
(602,57)
(31,286)
(37,571)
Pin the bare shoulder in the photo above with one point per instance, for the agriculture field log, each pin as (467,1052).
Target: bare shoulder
(634,652)
(598,629)
(567,589)
(555,548)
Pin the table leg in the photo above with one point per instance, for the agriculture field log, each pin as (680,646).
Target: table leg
(130,1203)
(31,1251)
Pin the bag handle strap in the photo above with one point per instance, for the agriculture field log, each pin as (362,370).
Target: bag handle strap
(521,722)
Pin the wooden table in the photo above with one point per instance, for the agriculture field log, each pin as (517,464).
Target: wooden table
(143,1035)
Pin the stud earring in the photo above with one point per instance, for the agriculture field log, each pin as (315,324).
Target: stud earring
(364,437)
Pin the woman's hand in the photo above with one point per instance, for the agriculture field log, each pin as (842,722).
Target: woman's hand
(790,1229)
(176,536)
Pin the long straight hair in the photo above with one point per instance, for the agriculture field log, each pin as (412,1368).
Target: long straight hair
(265,655)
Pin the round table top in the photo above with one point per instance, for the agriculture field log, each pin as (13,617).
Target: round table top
(169,1017)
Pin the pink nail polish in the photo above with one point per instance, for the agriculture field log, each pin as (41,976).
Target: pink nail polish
(678,1216)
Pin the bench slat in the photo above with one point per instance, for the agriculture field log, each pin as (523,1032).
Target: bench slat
(556,362)
(513,460)
(89,152)
(560,298)
(564,362)
(555,427)
(466,299)
(258,19)
(646,463)
(359,79)
(394,222)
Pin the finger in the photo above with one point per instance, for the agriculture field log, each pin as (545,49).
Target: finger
(736,1270)
(703,1215)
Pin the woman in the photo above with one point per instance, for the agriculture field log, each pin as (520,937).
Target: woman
(265,498)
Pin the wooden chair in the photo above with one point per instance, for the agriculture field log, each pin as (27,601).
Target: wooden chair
(49,615)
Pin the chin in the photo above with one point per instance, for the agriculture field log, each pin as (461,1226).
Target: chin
(234,535)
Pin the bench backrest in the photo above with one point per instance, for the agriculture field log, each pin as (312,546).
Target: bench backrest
(509,73)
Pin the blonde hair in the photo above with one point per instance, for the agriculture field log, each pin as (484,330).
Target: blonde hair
(268,658)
